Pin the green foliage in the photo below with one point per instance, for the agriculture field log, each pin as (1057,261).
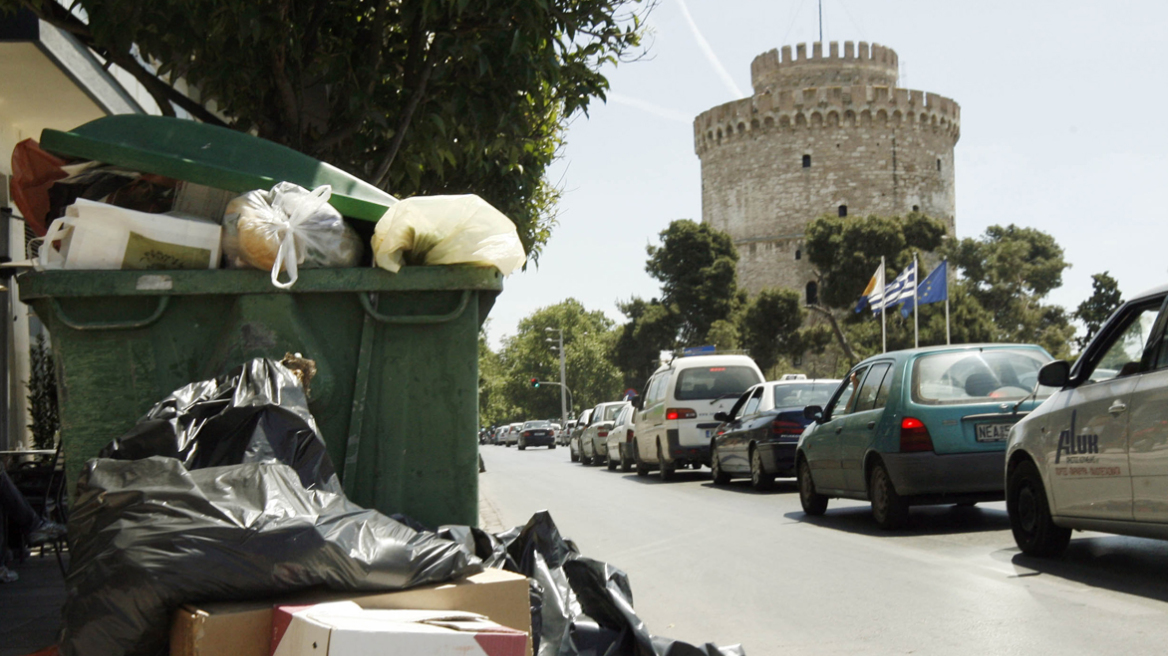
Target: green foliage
(770,326)
(42,396)
(588,342)
(1104,300)
(494,406)
(696,265)
(651,329)
(847,251)
(420,97)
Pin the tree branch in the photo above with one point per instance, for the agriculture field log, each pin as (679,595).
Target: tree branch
(839,334)
(418,51)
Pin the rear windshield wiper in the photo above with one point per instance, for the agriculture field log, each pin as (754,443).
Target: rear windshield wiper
(725,396)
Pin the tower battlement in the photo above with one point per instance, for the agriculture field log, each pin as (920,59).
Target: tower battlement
(866,65)
(827,107)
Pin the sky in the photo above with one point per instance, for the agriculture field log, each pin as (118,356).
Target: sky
(1059,131)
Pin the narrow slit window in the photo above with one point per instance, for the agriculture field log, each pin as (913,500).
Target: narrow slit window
(812,293)
(843,210)
(938,164)
(807,161)
(798,253)
(916,208)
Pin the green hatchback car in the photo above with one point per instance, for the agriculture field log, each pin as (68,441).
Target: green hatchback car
(918,427)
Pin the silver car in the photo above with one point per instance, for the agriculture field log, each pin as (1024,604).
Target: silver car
(594,440)
(619,446)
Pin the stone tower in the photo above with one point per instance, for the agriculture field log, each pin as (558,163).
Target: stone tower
(822,134)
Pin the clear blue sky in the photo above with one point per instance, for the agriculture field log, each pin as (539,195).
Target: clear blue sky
(1061,129)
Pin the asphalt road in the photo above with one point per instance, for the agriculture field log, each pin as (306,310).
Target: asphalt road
(729,565)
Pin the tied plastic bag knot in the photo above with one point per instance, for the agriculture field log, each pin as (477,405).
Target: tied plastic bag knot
(447,230)
(288,228)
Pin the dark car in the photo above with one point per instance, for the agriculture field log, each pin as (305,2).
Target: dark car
(759,434)
(537,433)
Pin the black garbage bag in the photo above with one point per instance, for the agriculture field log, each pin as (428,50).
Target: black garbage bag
(256,413)
(580,606)
(149,535)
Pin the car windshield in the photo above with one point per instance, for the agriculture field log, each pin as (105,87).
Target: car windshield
(611,412)
(698,383)
(802,395)
(978,376)
(536,424)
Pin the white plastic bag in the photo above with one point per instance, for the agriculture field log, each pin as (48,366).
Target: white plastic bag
(446,230)
(95,235)
(288,228)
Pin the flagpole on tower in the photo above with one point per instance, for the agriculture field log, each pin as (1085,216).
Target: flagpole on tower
(883,307)
(946,302)
(916,324)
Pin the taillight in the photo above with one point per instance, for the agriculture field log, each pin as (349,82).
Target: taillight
(629,437)
(526,433)
(680,413)
(914,436)
(601,433)
(786,427)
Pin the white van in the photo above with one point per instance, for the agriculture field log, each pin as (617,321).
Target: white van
(675,420)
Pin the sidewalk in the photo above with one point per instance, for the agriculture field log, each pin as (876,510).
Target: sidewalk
(30,609)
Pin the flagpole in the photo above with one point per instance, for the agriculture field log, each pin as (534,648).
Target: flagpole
(883,307)
(946,301)
(916,325)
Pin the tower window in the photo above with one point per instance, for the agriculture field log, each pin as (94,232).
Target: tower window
(798,253)
(843,210)
(938,164)
(916,208)
(812,293)
(807,161)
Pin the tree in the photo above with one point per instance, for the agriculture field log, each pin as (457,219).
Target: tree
(696,265)
(770,326)
(1104,300)
(651,328)
(588,340)
(420,97)
(494,408)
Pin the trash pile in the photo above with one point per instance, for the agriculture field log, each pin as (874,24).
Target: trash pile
(96,216)
(224,492)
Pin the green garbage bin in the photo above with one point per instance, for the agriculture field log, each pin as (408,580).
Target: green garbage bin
(396,393)
(395,396)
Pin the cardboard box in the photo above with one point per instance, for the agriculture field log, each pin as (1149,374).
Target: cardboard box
(245,628)
(342,628)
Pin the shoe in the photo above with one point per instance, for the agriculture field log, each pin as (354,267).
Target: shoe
(47,531)
(8,576)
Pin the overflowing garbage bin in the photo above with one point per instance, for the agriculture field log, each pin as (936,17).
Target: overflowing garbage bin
(396,390)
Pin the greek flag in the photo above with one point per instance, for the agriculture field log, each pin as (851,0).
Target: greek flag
(902,289)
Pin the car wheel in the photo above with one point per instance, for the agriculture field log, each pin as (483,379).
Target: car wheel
(889,509)
(1034,530)
(720,477)
(575,457)
(626,463)
(759,478)
(522,445)
(665,470)
(551,446)
(813,503)
(611,463)
(642,466)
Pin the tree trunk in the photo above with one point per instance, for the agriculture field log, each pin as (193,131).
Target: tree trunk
(839,334)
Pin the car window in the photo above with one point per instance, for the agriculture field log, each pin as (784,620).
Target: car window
(801,395)
(610,412)
(843,400)
(977,376)
(736,411)
(866,400)
(1122,356)
(701,383)
(752,403)
(885,388)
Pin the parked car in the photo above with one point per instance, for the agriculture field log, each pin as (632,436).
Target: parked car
(1095,455)
(593,445)
(921,426)
(619,449)
(536,433)
(512,435)
(676,421)
(759,434)
(574,438)
(565,435)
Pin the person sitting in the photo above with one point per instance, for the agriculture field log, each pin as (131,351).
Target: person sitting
(20,525)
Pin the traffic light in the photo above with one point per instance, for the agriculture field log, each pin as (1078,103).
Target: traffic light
(535,382)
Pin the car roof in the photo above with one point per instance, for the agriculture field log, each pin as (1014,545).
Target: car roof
(946,348)
(804,381)
(1149,293)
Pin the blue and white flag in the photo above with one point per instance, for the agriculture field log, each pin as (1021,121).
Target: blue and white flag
(901,289)
(934,289)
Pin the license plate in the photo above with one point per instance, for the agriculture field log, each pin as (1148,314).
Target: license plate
(993,432)
(709,434)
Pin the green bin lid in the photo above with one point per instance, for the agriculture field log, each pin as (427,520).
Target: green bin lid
(212,156)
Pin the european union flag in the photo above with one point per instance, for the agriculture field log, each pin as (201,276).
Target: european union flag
(933,289)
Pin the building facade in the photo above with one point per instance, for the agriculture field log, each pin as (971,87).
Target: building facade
(821,134)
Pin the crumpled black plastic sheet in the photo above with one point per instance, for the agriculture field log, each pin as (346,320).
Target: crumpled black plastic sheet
(149,535)
(256,413)
(580,606)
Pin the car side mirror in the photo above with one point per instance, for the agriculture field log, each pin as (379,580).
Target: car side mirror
(813,413)
(1055,374)
(721,416)
(637,404)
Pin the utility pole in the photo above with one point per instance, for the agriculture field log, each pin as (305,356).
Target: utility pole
(563,381)
(821,21)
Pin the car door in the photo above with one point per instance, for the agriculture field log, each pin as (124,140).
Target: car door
(1086,445)
(1148,430)
(859,429)
(822,445)
(651,420)
(737,444)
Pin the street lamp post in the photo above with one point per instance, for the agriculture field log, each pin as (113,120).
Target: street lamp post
(563,382)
